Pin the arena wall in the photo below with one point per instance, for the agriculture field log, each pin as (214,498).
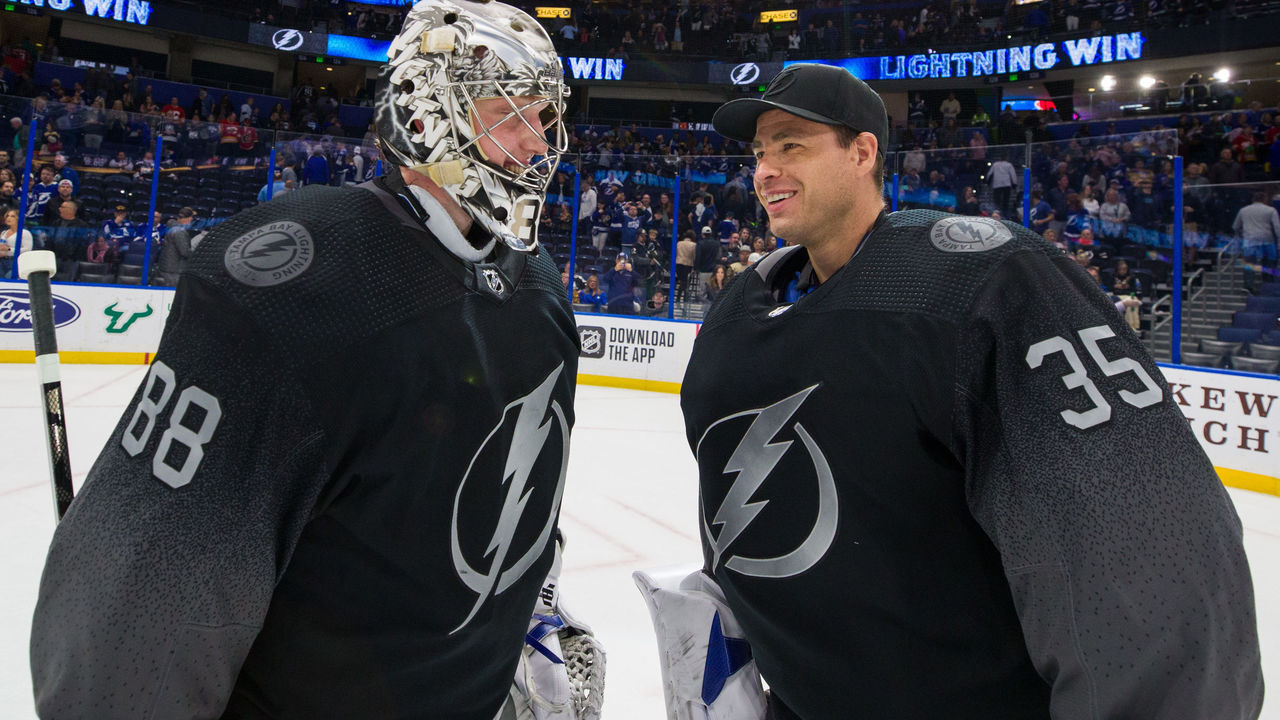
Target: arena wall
(1235,416)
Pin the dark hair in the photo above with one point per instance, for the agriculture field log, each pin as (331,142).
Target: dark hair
(845,136)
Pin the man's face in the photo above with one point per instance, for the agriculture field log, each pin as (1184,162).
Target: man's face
(120,156)
(64,190)
(802,176)
(508,131)
(59,161)
(6,188)
(4,157)
(46,175)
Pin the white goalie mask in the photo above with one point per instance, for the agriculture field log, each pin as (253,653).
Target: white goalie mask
(451,55)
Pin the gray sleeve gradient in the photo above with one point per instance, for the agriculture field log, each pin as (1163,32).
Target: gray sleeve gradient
(1121,547)
(152,596)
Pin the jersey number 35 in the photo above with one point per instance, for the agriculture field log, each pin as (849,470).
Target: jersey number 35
(1079,377)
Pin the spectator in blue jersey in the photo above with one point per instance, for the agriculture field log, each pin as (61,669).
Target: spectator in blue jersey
(63,171)
(592,294)
(118,230)
(317,169)
(632,225)
(728,226)
(41,193)
(619,284)
(1041,213)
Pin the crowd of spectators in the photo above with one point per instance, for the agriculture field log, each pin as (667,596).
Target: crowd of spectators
(93,160)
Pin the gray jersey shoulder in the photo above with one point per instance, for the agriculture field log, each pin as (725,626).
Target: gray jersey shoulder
(931,262)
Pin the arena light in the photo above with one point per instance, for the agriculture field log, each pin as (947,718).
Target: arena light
(1223,75)
(1146,82)
(1108,83)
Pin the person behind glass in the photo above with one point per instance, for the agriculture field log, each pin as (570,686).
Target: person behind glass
(618,284)
(600,226)
(102,251)
(10,242)
(119,230)
(317,169)
(41,193)
(1041,213)
(656,306)
(176,249)
(592,294)
(968,204)
(7,198)
(1003,179)
(708,256)
(68,234)
(63,195)
(742,262)
(686,255)
(632,224)
(714,284)
(1123,281)
(1113,218)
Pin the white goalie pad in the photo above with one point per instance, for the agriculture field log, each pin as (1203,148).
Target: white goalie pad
(562,666)
(707,669)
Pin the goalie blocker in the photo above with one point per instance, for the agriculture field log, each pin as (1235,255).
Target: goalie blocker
(708,672)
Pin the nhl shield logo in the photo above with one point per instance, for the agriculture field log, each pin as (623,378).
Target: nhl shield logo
(969,234)
(494,281)
(592,340)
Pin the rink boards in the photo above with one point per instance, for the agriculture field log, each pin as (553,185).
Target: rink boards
(1235,416)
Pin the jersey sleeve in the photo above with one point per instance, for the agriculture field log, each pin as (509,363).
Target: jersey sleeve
(159,577)
(1122,550)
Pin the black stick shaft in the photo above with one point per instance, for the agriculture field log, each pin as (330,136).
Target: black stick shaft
(50,377)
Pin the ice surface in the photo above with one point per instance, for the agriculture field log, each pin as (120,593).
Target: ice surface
(630,504)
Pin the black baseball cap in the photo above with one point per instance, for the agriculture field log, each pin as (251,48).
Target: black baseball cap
(822,93)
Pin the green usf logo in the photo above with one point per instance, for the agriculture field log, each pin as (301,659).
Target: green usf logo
(121,319)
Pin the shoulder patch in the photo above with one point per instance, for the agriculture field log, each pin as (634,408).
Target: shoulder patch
(270,254)
(969,234)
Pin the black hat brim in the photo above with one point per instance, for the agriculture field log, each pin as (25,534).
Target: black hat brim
(736,119)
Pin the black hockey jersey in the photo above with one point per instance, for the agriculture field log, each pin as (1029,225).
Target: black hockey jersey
(334,495)
(957,487)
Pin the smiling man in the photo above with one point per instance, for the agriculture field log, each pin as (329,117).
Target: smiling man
(336,493)
(963,489)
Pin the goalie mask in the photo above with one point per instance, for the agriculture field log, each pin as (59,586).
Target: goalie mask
(452,55)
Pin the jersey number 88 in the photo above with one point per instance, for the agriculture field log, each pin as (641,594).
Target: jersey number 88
(178,470)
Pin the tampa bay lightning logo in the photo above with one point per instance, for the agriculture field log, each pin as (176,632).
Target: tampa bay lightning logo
(270,254)
(744,74)
(287,40)
(969,234)
(752,461)
(534,430)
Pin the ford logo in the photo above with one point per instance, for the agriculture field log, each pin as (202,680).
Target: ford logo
(15,311)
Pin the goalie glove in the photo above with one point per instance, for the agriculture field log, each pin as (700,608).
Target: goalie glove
(561,670)
(707,669)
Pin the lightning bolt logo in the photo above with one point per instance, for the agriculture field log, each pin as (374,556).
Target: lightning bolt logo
(753,460)
(537,415)
(273,247)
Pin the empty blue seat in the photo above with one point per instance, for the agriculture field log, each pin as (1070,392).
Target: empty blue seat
(1241,335)
(1263,305)
(1260,320)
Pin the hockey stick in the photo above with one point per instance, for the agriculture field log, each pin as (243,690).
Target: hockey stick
(37,267)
